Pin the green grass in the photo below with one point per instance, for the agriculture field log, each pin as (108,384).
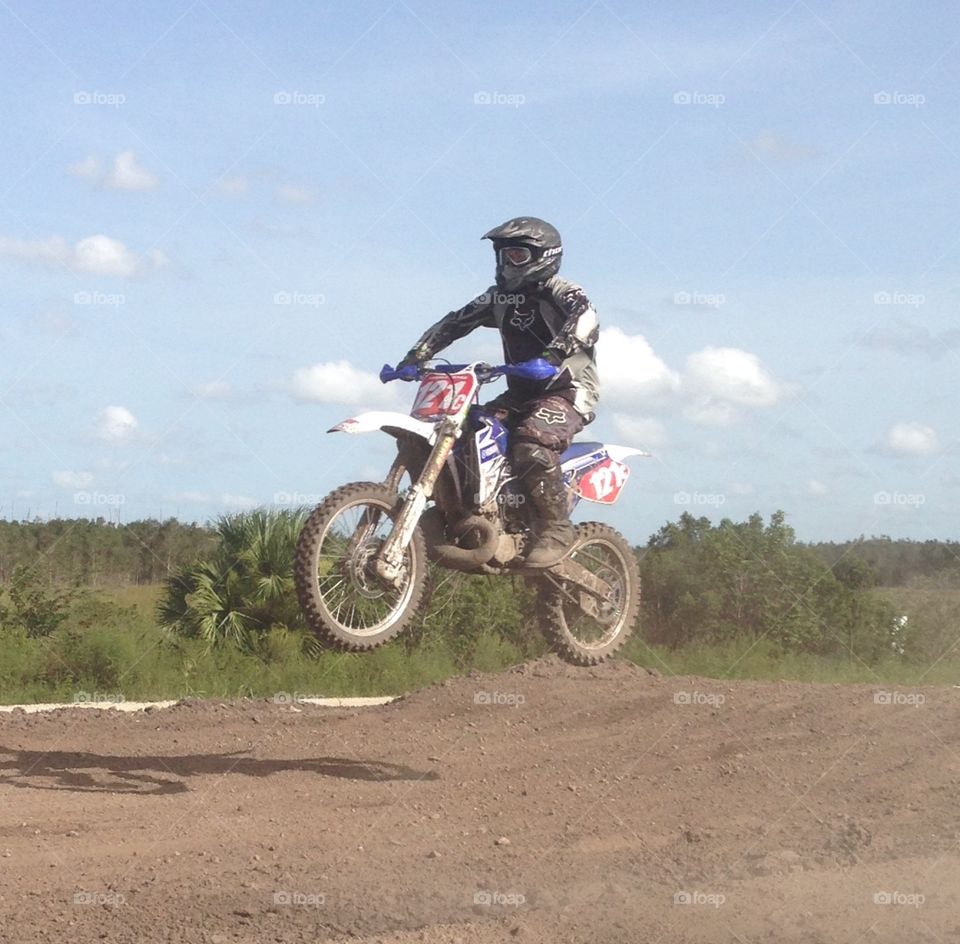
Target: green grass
(931,644)
(112,646)
(747,659)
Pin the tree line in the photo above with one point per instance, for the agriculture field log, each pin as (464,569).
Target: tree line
(100,553)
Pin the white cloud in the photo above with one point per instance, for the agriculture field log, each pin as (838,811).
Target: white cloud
(97,255)
(233,186)
(294,195)
(116,424)
(213,390)
(89,167)
(719,382)
(51,251)
(640,431)
(127,174)
(340,382)
(816,487)
(912,439)
(102,255)
(902,337)
(630,371)
(715,388)
(70,479)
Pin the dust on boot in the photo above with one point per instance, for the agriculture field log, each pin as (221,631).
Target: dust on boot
(554,534)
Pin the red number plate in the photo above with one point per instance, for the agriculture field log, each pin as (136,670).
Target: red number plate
(602,482)
(443,395)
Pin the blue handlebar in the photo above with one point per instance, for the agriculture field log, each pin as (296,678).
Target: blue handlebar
(536,369)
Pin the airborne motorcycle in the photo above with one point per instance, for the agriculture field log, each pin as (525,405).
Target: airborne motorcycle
(361,560)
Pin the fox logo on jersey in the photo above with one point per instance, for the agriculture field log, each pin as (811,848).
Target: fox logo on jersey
(522,319)
(550,417)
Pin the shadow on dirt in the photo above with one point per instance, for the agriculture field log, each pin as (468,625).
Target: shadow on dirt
(158,776)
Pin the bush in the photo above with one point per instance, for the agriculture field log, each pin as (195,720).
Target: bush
(706,583)
(244,588)
(35,607)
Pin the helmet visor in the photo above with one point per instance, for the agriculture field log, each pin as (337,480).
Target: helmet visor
(515,255)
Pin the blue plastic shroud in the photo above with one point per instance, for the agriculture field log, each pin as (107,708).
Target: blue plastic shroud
(580,449)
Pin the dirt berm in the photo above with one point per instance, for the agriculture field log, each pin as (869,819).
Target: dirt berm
(546,803)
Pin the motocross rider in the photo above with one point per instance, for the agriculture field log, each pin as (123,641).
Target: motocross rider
(538,314)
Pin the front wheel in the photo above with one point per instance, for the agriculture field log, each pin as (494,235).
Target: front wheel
(343,600)
(589,634)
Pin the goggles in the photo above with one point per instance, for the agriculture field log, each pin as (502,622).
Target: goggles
(515,255)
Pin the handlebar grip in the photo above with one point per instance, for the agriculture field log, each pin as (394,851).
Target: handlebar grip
(410,372)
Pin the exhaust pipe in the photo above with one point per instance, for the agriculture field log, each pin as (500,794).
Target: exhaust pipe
(463,558)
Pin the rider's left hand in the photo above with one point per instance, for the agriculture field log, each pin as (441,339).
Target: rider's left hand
(410,359)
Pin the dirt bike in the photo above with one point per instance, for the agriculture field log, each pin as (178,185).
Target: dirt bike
(361,559)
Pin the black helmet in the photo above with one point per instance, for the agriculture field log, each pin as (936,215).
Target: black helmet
(539,263)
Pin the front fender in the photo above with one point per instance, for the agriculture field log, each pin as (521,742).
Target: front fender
(389,422)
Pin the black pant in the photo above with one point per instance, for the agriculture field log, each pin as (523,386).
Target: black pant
(540,430)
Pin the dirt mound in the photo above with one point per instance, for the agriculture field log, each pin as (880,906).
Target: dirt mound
(546,803)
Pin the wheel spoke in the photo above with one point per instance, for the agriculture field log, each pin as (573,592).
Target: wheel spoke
(588,630)
(352,594)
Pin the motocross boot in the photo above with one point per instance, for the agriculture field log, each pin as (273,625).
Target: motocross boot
(554,533)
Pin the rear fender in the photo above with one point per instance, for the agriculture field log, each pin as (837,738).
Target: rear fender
(622,452)
(601,475)
(391,423)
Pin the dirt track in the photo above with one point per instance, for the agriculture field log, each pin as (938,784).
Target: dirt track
(543,804)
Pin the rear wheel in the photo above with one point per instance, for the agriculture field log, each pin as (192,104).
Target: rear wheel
(343,600)
(587,635)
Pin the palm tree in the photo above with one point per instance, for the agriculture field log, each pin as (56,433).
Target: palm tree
(244,587)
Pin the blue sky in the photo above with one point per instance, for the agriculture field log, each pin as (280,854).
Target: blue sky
(218,220)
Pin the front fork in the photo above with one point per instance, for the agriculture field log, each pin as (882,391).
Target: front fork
(389,562)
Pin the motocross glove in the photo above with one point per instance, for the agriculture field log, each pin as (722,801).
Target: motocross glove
(410,359)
